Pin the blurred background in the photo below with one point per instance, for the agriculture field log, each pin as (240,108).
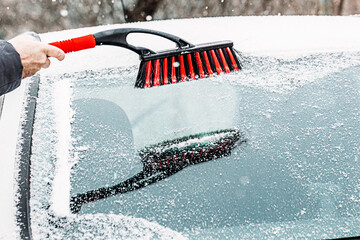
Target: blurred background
(53,15)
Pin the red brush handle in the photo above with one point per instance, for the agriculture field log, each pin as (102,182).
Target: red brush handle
(76,44)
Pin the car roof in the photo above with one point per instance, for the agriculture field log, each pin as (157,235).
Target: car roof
(275,36)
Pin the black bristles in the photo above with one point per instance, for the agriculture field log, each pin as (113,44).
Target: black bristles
(187,70)
(236,58)
(195,66)
(141,75)
(177,68)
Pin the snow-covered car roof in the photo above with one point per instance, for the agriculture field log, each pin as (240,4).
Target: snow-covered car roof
(275,36)
(278,36)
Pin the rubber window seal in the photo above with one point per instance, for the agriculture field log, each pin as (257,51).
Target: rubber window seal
(24,162)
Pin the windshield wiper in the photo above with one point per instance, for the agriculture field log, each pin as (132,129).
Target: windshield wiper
(165,159)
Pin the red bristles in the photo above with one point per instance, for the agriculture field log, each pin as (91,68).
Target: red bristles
(192,155)
(173,73)
(216,148)
(217,64)
(156,81)
(227,69)
(148,75)
(199,65)
(187,66)
(232,59)
(182,68)
(165,67)
(208,66)
(222,148)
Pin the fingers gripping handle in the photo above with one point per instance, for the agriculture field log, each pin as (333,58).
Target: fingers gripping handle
(76,44)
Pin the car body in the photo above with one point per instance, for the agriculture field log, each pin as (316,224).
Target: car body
(81,123)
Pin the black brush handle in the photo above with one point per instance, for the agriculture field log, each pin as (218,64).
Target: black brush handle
(118,37)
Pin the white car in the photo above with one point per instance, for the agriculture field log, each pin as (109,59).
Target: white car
(81,124)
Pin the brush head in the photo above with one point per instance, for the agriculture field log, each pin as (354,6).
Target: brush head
(172,156)
(187,64)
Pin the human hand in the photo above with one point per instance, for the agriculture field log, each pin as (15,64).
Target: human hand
(34,54)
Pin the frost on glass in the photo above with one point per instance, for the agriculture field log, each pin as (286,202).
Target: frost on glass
(296,176)
(49,216)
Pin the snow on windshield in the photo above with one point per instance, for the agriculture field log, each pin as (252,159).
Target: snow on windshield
(295,177)
(52,158)
(287,74)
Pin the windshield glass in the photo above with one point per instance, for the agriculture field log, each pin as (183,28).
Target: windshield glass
(292,171)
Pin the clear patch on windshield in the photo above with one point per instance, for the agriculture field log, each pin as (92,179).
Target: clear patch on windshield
(290,172)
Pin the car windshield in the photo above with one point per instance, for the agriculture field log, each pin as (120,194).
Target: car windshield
(293,173)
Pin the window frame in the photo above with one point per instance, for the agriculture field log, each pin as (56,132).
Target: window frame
(24,162)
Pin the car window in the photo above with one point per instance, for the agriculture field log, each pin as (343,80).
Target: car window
(293,174)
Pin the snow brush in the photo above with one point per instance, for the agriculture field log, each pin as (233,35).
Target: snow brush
(187,62)
(164,159)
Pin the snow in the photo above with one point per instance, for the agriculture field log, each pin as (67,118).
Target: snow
(281,37)
(198,140)
(9,132)
(52,140)
(268,36)
(61,185)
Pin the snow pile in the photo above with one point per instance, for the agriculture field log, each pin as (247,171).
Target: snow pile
(63,116)
(111,226)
